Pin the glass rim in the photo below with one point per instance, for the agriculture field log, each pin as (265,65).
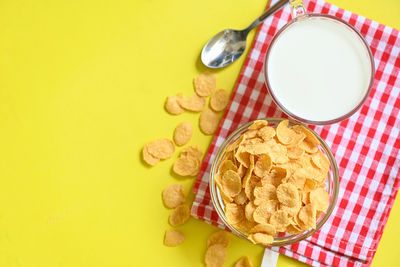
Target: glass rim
(325,122)
(333,185)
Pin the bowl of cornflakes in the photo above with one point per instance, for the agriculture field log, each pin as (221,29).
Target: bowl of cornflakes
(274,182)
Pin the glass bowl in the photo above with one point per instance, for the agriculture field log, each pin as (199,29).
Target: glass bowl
(332,186)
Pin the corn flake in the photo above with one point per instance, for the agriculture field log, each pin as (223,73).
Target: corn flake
(205,83)
(266,133)
(249,210)
(193,151)
(182,134)
(173,238)
(320,161)
(319,198)
(148,158)
(234,213)
(263,212)
(162,148)
(263,166)
(287,194)
(310,137)
(180,215)
(258,124)
(243,262)
(186,166)
(295,152)
(231,183)
(227,165)
(268,229)
(173,196)
(241,198)
(218,181)
(280,220)
(209,121)
(249,186)
(307,215)
(220,237)
(172,105)
(260,238)
(215,256)
(219,100)
(264,193)
(193,103)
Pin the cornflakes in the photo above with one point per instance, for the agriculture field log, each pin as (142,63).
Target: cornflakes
(215,256)
(172,105)
(260,238)
(162,148)
(193,103)
(244,262)
(319,198)
(173,238)
(219,100)
(173,196)
(182,134)
(231,183)
(234,213)
(186,166)
(209,121)
(275,180)
(219,237)
(268,229)
(148,158)
(180,215)
(205,83)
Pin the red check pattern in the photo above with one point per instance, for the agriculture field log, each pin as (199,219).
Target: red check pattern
(366,146)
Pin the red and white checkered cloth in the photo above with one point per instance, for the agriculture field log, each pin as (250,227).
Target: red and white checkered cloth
(366,146)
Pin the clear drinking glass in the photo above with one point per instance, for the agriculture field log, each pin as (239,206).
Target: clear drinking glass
(332,185)
(299,14)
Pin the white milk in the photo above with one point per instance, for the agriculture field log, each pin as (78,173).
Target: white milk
(319,69)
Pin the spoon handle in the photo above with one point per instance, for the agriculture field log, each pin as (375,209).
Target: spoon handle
(266,14)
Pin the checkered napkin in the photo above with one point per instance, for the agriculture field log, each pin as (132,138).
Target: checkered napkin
(366,146)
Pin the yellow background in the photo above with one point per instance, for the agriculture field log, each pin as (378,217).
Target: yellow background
(82,88)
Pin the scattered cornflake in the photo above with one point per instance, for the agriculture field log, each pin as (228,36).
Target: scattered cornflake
(220,237)
(172,105)
(180,215)
(148,158)
(182,134)
(219,100)
(186,166)
(193,151)
(215,256)
(193,103)
(205,83)
(162,148)
(209,121)
(244,262)
(173,195)
(173,238)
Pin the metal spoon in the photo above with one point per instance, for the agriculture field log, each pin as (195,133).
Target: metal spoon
(227,46)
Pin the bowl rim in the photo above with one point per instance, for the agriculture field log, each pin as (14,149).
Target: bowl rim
(333,185)
(299,118)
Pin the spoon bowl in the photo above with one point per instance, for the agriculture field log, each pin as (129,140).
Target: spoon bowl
(227,46)
(224,48)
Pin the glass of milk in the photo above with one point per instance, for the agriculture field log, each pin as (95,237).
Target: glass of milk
(318,68)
